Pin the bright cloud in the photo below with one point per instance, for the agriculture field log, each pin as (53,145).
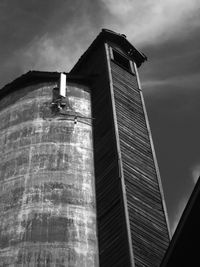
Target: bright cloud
(58,52)
(151,21)
(196,172)
(180,81)
(180,208)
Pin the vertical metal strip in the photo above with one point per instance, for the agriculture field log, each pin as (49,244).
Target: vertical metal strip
(153,152)
(94,185)
(120,160)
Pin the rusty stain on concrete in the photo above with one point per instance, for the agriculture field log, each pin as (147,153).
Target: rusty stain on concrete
(47,195)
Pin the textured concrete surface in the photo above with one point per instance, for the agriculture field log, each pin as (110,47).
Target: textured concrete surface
(47,196)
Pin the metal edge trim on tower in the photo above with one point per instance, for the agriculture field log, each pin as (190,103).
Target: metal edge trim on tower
(153,152)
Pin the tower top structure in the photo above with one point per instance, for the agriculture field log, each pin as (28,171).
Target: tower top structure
(118,39)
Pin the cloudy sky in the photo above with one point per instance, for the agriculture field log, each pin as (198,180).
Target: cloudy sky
(52,34)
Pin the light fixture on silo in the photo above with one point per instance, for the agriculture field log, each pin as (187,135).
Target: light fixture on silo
(62,88)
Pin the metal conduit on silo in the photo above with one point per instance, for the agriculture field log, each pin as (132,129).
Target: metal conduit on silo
(47,195)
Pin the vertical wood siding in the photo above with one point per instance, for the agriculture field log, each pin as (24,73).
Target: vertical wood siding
(147,219)
(113,246)
(112,232)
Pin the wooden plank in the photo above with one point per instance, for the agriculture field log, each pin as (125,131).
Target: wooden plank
(149,230)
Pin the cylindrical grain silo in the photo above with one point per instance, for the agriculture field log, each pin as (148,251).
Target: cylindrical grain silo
(47,195)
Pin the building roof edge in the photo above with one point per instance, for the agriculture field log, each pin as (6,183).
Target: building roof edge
(35,77)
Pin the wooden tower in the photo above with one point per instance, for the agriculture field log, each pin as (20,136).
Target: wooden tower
(132,221)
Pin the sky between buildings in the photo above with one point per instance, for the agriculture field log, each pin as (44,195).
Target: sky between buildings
(52,34)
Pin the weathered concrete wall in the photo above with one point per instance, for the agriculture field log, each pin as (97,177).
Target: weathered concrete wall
(47,196)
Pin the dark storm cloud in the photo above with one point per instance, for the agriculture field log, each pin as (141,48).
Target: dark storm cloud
(172,60)
(171,84)
(21,20)
(30,28)
(174,120)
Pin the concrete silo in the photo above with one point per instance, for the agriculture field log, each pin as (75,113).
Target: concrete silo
(47,195)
